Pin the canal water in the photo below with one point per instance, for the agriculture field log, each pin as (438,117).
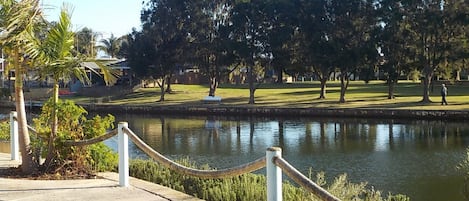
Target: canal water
(415,158)
(412,157)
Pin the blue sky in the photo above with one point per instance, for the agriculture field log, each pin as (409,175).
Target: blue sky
(102,16)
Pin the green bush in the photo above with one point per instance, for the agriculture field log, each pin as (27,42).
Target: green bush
(74,126)
(464,167)
(4,131)
(248,186)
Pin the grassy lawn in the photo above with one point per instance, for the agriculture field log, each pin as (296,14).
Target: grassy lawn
(303,95)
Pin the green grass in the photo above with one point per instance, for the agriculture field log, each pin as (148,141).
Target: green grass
(303,95)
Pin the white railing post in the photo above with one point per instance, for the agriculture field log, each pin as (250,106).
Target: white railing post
(274,175)
(14,140)
(123,149)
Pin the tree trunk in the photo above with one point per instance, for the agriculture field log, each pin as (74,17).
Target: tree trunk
(213,86)
(428,74)
(162,89)
(168,87)
(280,75)
(391,86)
(343,86)
(27,166)
(322,94)
(51,151)
(252,87)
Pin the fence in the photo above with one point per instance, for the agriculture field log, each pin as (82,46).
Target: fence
(273,161)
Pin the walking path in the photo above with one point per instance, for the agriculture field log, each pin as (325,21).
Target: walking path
(102,189)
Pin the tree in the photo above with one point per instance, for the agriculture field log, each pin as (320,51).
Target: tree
(353,25)
(212,47)
(312,46)
(111,45)
(53,55)
(434,26)
(249,29)
(85,43)
(164,28)
(17,19)
(394,41)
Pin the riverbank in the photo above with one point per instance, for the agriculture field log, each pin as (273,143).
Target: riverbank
(253,110)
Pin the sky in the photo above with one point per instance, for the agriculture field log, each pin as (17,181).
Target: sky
(102,16)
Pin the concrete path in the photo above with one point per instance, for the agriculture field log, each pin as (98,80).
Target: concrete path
(103,189)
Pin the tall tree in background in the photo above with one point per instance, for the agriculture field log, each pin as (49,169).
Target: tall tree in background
(85,43)
(395,39)
(351,38)
(17,20)
(212,48)
(111,46)
(434,27)
(250,26)
(164,26)
(313,48)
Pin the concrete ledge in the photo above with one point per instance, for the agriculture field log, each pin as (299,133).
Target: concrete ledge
(294,112)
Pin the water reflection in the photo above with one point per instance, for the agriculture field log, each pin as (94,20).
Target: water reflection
(416,158)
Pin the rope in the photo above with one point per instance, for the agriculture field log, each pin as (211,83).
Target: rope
(213,174)
(299,178)
(101,138)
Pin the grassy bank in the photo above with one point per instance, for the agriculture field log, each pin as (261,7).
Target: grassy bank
(301,95)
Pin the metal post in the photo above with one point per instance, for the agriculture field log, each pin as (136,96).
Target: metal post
(14,142)
(274,175)
(123,149)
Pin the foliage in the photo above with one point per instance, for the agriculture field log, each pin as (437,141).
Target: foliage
(4,131)
(464,168)
(74,126)
(303,38)
(247,186)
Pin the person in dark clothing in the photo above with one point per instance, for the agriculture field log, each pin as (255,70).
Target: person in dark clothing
(444,93)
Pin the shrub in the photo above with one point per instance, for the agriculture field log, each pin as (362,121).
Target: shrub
(74,126)
(247,186)
(464,167)
(4,131)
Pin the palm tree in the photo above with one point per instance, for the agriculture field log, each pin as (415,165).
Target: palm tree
(54,56)
(111,45)
(17,19)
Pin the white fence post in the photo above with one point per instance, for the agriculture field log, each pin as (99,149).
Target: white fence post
(274,175)
(123,149)
(14,140)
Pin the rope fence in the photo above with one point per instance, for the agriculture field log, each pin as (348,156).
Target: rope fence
(273,161)
(207,174)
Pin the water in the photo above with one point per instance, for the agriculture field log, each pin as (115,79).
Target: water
(416,158)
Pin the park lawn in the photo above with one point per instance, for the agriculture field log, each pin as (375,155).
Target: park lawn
(304,95)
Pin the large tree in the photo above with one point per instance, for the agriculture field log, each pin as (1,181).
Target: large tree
(250,29)
(111,46)
(434,25)
(164,31)
(52,52)
(395,40)
(85,42)
(212,48)
(17,20)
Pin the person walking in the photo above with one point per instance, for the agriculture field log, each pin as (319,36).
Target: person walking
(444,93)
